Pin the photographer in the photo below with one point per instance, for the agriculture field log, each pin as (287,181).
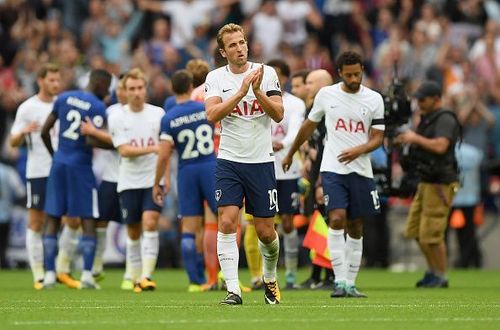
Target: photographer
(432,152)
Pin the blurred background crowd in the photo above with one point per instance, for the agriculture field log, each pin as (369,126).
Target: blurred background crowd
(455,42)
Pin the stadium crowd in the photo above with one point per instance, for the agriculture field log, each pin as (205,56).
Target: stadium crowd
(455,43)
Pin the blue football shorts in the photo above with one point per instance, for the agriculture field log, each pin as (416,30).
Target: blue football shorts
(354,193)
(36,189)
(195,185)
(256,183)
(109,202)
(288,196)
(71,191)
(134,202)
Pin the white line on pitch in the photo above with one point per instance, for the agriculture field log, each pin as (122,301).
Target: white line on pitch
(275,320)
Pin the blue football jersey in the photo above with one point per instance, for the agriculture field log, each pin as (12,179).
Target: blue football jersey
(169,103)
(187,126)
(71,108)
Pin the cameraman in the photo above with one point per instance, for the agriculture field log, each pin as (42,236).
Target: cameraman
(432,151)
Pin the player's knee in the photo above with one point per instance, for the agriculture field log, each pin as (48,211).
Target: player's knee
(149,224)
(265,232)
(36,225)
(227,225)
(267,236)
(355,229)
(72,222)
(52,225)
(88,228)
(337,222)
(134,231)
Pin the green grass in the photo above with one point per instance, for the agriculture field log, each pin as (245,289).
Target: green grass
(472,302)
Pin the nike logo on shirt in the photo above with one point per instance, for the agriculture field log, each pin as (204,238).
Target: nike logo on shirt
(226,90)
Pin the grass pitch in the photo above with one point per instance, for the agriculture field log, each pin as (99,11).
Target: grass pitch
(471,302)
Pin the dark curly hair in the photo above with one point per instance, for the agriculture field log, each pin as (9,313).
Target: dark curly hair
(348,58)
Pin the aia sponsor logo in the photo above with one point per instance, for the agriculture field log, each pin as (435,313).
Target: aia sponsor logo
(247,109)
(349,125)
(278,130)
(142,142)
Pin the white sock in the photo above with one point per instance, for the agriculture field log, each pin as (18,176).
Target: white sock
(354,251)
(68,244)
(133,259)
(150,249)
(87,277)
(270,254)
(99,250)
(227,251)
(34,247)
(336,245)
(291,242)
(49,278)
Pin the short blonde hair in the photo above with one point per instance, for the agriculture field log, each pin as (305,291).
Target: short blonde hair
(199,69)
(134,73)
(46,68)
(228,28)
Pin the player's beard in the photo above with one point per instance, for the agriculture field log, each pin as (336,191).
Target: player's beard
(53,91)
(241,61)
(353,87)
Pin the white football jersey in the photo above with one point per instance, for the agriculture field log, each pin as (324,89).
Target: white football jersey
(109,160)
(137,129)
(349,118)
(246,131)
(285,132)
(39,159)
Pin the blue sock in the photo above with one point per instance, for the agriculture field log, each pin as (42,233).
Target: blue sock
(49,252)
(88,245)
(200,267)
(188,251)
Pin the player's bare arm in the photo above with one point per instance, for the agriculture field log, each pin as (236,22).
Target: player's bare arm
(217,109)
(304,133)
(376,139)
(272,105)
(17,139)
(47,126)
(127,150)
(96,137)
(162,169)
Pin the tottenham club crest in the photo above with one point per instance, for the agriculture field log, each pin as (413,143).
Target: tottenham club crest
(124,213)
(327,199)
(207,88)
(218,194)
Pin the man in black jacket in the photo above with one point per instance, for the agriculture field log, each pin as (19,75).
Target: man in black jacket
(433,153)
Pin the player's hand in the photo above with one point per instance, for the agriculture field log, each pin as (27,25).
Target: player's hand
(87,127)
(247,81)
(258,78)
(158,194)
(277,146)
(31,127)
(348,155)
(286,162)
